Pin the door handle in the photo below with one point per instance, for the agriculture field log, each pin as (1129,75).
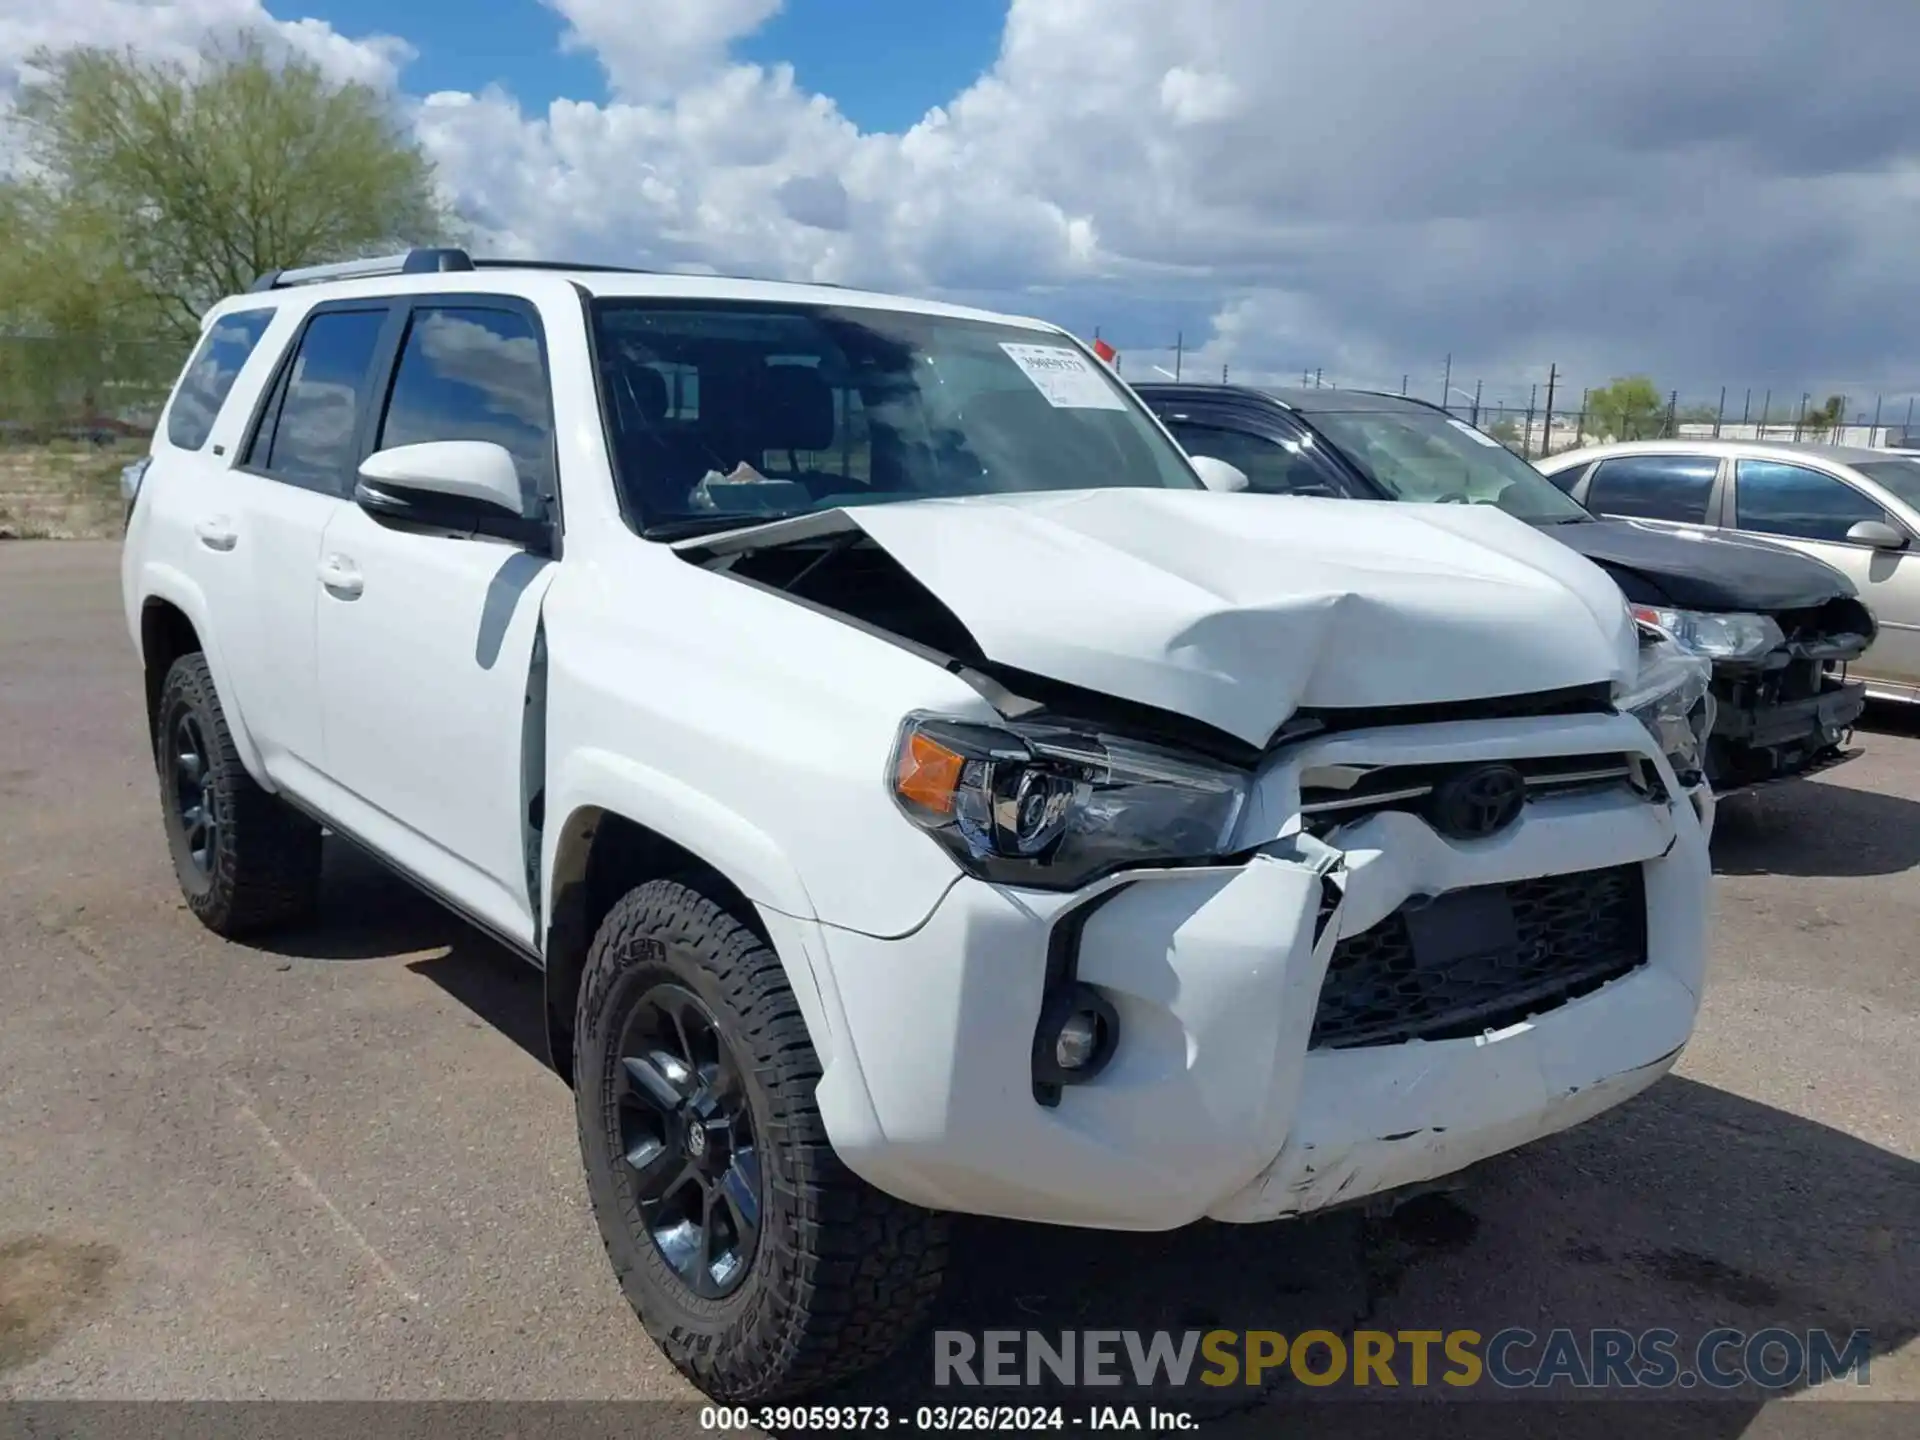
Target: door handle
(216,532)
(341,577)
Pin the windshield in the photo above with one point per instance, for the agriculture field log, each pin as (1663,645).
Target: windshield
(736,413)
(1902,477)
(1428,456)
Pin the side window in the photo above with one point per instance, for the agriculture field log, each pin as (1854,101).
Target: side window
(307,435)
(1779,499)
(1654,487)
(1272,468)
(1565,480)
(468,373)
(210,375)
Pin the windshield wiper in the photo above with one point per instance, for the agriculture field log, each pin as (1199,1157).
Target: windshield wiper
(687,527)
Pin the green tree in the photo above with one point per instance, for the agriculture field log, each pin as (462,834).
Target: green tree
(1826,416)
(1507,432)
(188,181)
(1628,408)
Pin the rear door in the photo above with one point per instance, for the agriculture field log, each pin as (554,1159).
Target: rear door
(293,476)
(1677,490)
(427,638)
(1812,510)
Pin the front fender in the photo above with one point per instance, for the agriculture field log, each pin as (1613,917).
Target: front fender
(733,845)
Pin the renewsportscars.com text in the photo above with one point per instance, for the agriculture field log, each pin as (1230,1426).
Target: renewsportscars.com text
(1513,1358)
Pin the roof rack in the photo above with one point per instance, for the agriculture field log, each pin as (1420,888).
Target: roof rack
(418,261)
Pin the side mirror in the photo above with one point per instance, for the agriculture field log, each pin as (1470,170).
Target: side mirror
(1879,534)
(1218,474)
(452,484)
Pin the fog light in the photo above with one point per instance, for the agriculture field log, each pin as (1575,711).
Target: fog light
(1078,1032)
(1078,1042)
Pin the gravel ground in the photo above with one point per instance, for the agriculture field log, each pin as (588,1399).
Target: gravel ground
(338,1168)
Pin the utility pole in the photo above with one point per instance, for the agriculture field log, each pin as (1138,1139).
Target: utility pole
(1766,409)
(1546,429)
(1876,420)
(1446,383)
(1746,407)
(1526,435)
(1800,420)
(1721,413)
(1403,384)
(1306,378)
(1179,344)
(1673,410)
(1316,378)
(1223,374)
(1476,405)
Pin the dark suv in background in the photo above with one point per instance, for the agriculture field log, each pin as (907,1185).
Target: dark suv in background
(1779,627)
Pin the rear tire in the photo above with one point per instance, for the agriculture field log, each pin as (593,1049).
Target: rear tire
(814,1274)
(246,861)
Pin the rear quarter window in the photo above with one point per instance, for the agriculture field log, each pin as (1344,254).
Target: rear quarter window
(210,374)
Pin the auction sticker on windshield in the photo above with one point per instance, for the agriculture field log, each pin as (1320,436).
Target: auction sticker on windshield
(1064,377)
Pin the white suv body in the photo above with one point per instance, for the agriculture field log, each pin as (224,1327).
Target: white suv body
(1114,848)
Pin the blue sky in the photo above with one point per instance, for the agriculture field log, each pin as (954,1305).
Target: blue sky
(885,62)
(1578,187)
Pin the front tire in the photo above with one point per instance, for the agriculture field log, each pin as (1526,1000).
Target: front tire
(762,1267)
(246,861)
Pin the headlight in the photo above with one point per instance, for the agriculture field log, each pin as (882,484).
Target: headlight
(1718,637)
(1670,697)
(1052,806)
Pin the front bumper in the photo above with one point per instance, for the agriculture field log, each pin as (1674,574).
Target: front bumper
(1214,1103)
(1756,740)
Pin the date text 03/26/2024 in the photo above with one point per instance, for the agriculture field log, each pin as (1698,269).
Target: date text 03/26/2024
(984,1419)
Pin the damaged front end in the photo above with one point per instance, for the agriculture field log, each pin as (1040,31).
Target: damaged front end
(1785,705)
(1201,964)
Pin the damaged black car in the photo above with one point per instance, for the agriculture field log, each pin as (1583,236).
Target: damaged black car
(1779,627)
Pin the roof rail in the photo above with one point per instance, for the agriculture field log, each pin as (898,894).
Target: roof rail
(418,261)
(557,265)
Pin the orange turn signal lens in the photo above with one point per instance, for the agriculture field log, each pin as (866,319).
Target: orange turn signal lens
(927,774)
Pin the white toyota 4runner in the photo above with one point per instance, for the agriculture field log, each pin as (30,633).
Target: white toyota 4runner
(924,789)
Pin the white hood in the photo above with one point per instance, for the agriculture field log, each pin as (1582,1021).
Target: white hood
(1237,609)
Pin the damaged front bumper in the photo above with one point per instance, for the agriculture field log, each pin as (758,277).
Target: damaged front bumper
(1229,1094)
(1758,737)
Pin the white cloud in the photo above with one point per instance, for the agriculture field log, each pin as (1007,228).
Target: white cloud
(1364,188)
(176,28)
(649,46)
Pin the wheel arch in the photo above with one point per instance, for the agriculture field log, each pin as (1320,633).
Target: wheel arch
(620,838)
(173,621)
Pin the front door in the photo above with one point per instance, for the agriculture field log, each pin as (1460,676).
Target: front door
(427,639)
(1812,511)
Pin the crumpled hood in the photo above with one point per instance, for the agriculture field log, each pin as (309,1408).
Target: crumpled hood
(1702,570)
(1238,609)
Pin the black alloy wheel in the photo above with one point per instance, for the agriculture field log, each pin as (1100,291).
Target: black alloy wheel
(687,1137)
(196,812)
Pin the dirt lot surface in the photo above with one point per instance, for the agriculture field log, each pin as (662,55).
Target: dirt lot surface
(337,1166)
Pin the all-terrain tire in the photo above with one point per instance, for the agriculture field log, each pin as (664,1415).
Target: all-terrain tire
(841,1273)
(258,865)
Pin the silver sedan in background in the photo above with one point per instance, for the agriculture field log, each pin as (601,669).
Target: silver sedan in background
(1858,510)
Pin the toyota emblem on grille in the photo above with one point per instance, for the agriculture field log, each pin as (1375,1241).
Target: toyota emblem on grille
(1480,802)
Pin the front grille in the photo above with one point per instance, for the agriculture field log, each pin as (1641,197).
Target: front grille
(1574,934)
(1332,795)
